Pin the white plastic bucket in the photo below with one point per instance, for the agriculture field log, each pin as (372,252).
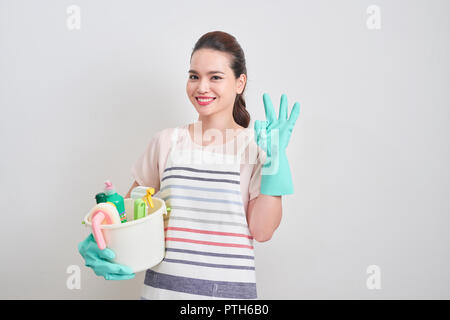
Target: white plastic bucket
(138,244)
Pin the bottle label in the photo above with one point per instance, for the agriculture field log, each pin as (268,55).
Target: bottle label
(123,217)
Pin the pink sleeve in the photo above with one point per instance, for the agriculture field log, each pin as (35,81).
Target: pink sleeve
(146,169)
(255,179)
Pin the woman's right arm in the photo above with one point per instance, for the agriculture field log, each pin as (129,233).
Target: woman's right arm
(135,184)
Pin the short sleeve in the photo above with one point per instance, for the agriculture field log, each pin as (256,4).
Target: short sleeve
(255,179)
(146,169)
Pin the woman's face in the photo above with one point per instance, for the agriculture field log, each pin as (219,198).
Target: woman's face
(210,76)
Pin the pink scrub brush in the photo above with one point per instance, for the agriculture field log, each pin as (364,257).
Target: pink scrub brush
(103,213)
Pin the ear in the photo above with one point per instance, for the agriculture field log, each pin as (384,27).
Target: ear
(240,83)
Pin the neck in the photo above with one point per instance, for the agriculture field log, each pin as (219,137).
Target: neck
(218,121)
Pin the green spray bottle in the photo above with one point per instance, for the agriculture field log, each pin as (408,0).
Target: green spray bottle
(117,199)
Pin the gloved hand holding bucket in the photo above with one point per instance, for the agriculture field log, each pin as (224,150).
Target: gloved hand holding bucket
(118,249)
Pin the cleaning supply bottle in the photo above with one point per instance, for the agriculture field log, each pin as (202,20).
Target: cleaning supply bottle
(117,199)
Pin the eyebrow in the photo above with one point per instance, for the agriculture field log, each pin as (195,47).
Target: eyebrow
(210,72)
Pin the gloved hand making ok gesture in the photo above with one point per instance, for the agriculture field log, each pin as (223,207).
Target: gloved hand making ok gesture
(273,137)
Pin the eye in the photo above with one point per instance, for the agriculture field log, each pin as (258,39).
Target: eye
(216,77)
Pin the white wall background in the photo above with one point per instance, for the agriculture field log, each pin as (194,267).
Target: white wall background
(370,152)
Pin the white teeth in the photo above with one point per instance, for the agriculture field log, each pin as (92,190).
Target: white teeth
(204,100)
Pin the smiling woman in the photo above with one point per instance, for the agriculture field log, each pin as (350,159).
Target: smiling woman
(217,210)
(217,80)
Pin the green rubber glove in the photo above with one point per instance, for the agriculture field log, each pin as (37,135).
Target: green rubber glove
(99,261)
(273,137)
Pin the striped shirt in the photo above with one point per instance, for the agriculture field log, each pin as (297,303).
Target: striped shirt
(209,249)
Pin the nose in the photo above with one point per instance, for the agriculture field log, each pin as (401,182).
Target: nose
(203,86)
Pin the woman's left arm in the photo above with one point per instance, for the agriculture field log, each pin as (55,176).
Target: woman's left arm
(272,135)
(264,216)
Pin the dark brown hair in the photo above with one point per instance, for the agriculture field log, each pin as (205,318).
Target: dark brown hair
(224,42)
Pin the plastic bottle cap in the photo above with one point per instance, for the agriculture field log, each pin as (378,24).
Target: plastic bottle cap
(100,197)
(108,185)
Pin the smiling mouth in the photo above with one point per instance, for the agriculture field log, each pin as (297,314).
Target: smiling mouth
(204,102)
(205,99)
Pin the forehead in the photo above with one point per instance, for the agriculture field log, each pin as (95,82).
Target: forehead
(205,60)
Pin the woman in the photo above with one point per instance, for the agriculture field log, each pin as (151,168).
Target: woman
(221,199)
